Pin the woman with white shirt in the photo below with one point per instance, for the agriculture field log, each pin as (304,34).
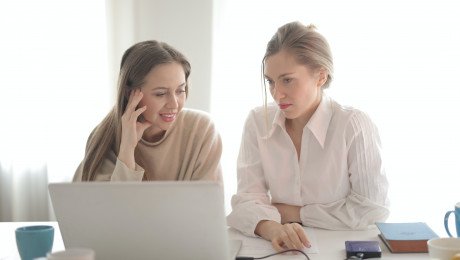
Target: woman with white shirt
(306,159)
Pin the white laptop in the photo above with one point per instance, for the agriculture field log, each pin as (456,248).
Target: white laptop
(144,220)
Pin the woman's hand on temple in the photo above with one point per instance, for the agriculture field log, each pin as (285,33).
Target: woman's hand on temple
(132,128)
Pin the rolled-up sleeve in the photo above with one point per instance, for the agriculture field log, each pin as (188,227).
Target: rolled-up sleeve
(251,203)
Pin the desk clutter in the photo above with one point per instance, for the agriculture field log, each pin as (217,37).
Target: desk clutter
(329,244)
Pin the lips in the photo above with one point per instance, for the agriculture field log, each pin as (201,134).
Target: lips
(168,117)
(284,106)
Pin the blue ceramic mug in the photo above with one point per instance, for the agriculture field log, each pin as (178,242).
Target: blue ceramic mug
(457,219)
(34,241)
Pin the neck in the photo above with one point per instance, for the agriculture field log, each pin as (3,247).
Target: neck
(153,134)
(297,124)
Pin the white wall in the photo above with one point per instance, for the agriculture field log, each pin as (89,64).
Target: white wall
(186,25)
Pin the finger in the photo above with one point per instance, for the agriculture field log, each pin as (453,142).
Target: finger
(287,240)
(276,245)
(144,126)
(136,98)
(302,236)
(294,237)
(135,115)
(131,95)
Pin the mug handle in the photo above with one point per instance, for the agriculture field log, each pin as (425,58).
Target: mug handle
(446,222)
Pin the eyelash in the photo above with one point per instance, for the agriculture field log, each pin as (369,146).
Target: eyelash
(269,81)
(285,81)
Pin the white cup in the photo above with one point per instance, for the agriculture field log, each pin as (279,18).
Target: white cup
(443,248)
(72,254)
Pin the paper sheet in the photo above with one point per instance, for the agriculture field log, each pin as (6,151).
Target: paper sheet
(258,247)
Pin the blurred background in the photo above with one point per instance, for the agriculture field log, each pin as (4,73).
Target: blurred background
(397,60)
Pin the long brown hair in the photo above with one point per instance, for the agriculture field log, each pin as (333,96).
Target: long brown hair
(136,63)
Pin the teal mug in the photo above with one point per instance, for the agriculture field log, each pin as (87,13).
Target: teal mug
(457,220)
(34,241)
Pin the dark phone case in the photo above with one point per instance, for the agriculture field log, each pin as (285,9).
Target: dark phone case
(368,248)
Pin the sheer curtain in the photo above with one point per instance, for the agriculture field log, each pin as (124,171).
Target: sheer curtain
(54,90)
(397,60)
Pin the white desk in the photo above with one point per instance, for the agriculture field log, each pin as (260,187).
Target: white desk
(330,243)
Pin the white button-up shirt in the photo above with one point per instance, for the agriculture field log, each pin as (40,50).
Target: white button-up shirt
(339,180)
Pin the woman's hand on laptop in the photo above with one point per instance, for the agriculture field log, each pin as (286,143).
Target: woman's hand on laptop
(283,236)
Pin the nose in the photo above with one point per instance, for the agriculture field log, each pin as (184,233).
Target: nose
(277,93)
(172,101)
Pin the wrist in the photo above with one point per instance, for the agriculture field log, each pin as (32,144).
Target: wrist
(126,148)
(127,157)
(290,214)
(267,229)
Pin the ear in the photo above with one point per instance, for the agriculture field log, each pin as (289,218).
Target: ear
(322,77)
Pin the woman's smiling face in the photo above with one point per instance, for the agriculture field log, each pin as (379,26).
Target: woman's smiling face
(164,94)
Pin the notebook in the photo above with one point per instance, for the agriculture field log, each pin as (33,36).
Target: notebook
(406,237)
(144,220)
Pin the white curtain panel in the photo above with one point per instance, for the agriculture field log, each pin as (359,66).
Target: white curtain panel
(54,91)
(24,193)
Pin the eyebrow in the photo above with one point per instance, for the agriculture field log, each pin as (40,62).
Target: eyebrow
(280,76)
(163,88)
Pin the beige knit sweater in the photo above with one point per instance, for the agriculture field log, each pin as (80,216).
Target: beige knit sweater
(190,150)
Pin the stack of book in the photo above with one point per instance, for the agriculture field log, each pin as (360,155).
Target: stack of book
(406,237)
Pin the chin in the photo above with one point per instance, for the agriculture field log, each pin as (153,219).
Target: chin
(165,126)
(289,115)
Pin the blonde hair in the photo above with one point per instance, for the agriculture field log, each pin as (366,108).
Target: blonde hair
(308,46)
(136,63)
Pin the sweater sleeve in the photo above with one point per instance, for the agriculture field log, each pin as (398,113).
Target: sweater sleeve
(367,202)
(112,169)
(207,165)
(251,204)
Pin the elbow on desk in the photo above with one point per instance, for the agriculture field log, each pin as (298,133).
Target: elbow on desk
(367,221)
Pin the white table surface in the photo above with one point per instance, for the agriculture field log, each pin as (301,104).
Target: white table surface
(330,243)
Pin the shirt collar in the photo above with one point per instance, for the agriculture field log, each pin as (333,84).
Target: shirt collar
(318,123)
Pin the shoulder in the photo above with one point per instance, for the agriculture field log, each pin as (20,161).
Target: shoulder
(194,116)
(196,122)
(346,112)
(262,114)
(351,118)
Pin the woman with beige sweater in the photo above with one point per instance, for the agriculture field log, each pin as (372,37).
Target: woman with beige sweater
(148,135)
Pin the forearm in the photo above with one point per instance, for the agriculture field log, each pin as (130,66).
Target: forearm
(248,210)
(127,157)
(353,212)
(289,213)
(122,172)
